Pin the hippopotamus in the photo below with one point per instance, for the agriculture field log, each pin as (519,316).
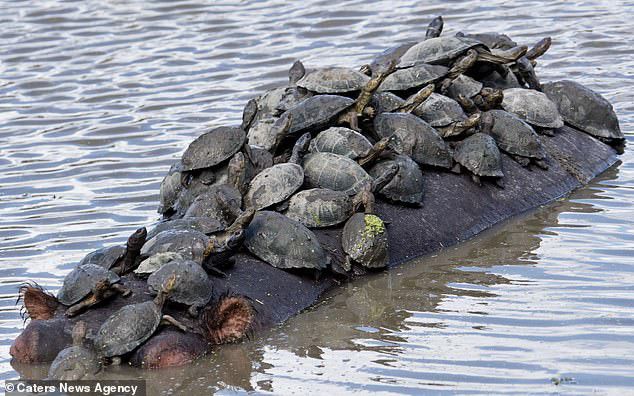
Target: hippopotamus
(255,295)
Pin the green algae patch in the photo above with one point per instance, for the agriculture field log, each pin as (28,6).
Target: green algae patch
(373,226)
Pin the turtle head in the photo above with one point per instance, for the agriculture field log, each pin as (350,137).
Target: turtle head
(435,27)
(384,178)
(228,320)
(366,69)
(79,332)
(301,146)
(137,239)
(296,72)
(236,172)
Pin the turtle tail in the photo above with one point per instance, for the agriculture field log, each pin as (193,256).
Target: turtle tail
(37,303)
(230,319)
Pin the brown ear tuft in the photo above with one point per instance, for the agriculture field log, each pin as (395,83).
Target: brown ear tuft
(229,320)
(37,303)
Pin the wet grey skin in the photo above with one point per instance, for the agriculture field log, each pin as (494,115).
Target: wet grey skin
(213,148)
(415,138)
(279,182)
(406,187)
(77,362)
(284,243)
(133,324)
(88,285)
(335,172)
(480,155)
(191,288)
(586,110)
(515,137)
(333,80)
(533,107)
(446,116)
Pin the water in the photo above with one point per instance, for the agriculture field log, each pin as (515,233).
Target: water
(98,98)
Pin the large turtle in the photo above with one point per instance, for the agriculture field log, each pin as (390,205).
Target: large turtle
(105,257)
(586,110)
(220,202)
(446,115)
(205,225)
(346,142)
(213,147)
(192,286)
(413,77)
(88,285)
(480,155)
(533,107)
(333,80)
(414,137)
(284,243)
(189,244)
(514,137)
(334,171)
(76,362)
(133,324)
(406,186)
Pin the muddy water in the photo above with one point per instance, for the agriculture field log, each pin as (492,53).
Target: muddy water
(98,98)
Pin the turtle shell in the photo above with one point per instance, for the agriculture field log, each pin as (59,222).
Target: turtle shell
(480,155)
(73,364)
(416,136)
(274,185)
(393,54)
(213,147)
(334,171)
(495,79)
(188,243)
(170,188)
(127,328)
(515,136)
(156,261)
(464,85)
(320,207)
(205,225)
(333,80)
(386,102)
(192,286)
(533,107)
(284,243)
(80,282)
(439,111)
(364,239)
(221,203)
(437,51)
(342,141)
(412,77)
(584,109)
(407,184)
(315,113)
(491,40)
(261,133)
(105,257)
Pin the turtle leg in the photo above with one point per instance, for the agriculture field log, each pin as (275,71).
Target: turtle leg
(88,302)
(119,288)
(193,311)
(547,132)
(467,104)
(476,179)
(169,320)
(541,163)
(522,160)
(458,127)
(415,100)
(347,264)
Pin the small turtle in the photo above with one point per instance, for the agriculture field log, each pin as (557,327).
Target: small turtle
(406,186)
(334,171)
(277,183)
(133,324)
(77,362)
(171,187)
(192,286)
(346,142)
(284,243)
(533,107)
(333,80)
(586,110)
(88,285)
(205,225)
(220,202)
(414,137)
(105,257)
(472,95)
(188,243)
(480,155)
(514,137)
(213,148)
(413,77)
(445,115)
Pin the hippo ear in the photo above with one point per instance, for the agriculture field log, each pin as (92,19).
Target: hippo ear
(228,320)
(37,303)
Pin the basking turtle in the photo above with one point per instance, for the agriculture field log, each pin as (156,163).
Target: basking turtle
(205,225)
(334,171)
(514,137)
(171,187)
(133,324)
(192,286)
(277,183)
(413,77)
(333,80)
(414,137)
(387,102)
(585,110)
(472,95)
(105,257)
(349,143)
(220,202)
(446,115)
(128,261)
(77,362)
(88,285)
(188,243)
(213,148)
(533,107)
(406,186)
(480,155)
(155,262)
(284,243)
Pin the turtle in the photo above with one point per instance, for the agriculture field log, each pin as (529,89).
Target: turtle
(445,115)
(128,261)
(334,171)
(76,362)
(386,102)
(585,110)
(533,107)
(88,285)
(515,137)
(133,324)
(156,261)
(284,243)
(407,185)
(192,286)
(472,95)
(413,77)
(414,137)
(171,187)
(248,114)
(188,243)
(206,225)
(333,80)
(105,257)
(220,202)
(293,94)
(213,148)
(347,142)
(277,183)
(481,157)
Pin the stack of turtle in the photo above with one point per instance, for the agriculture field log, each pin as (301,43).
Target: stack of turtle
(313,153)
